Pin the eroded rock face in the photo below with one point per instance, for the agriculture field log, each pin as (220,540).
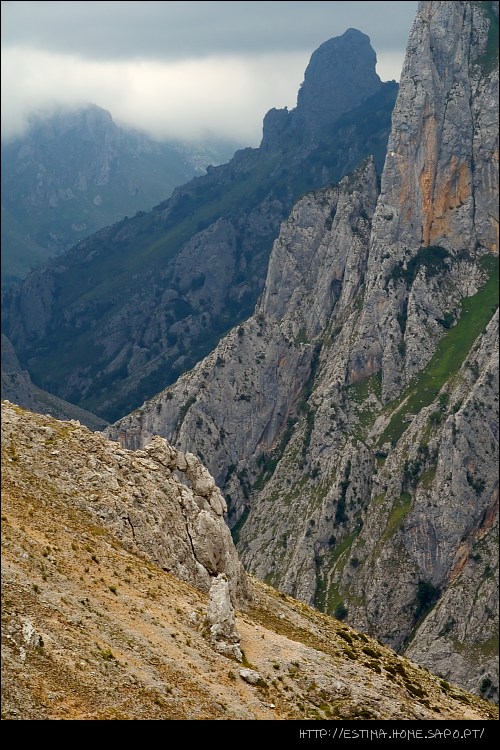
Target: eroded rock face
(439,188)
(352,422)
(239,399)
(427,548)
(442,152)
(159,501)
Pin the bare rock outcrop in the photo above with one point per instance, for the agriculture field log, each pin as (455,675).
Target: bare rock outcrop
(439,192)
(221,620)
(159,501)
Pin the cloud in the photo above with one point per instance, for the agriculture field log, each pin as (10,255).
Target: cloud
(103,30)
(187,99)
(179,69)
(390,64)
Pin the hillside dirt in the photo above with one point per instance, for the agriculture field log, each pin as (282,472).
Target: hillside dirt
(93,631)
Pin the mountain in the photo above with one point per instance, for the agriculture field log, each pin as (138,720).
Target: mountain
(18,389)
(129,309)
(76,171)
(352,421)
(96,626)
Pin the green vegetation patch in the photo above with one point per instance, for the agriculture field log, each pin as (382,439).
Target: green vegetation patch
(451,351)
(359,393)
(399,511)
(327,597)
(480,651)
(339,550)
(489,59)
(431,258)
(428,476)
(182,413)
(268,462)
(236,530)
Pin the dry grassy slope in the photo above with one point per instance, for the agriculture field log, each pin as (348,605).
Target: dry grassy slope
(92,631)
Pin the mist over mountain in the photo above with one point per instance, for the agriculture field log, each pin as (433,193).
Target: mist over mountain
(76,171)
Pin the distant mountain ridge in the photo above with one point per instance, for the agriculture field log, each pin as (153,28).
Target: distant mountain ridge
(132,307)
(351,421)
(76,171)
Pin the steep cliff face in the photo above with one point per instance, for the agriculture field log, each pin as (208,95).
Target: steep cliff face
(439,186)
(239,400)
(442,152)
(352,422)
(132,307)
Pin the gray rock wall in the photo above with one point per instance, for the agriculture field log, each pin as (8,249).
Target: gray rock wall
(352,422)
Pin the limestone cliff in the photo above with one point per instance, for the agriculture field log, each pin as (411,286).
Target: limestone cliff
(352,421)
(238,401)
(439,187)
(323,97)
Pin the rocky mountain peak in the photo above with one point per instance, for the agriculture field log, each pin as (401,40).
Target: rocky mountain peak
(85,120)
(341,74)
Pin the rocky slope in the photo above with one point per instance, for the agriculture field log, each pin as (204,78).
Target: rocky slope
(352,421)
(164,503)
(77,171)
(134,306)
(18,388)
(95,628)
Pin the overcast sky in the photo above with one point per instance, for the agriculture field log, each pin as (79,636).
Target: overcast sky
(180,69)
